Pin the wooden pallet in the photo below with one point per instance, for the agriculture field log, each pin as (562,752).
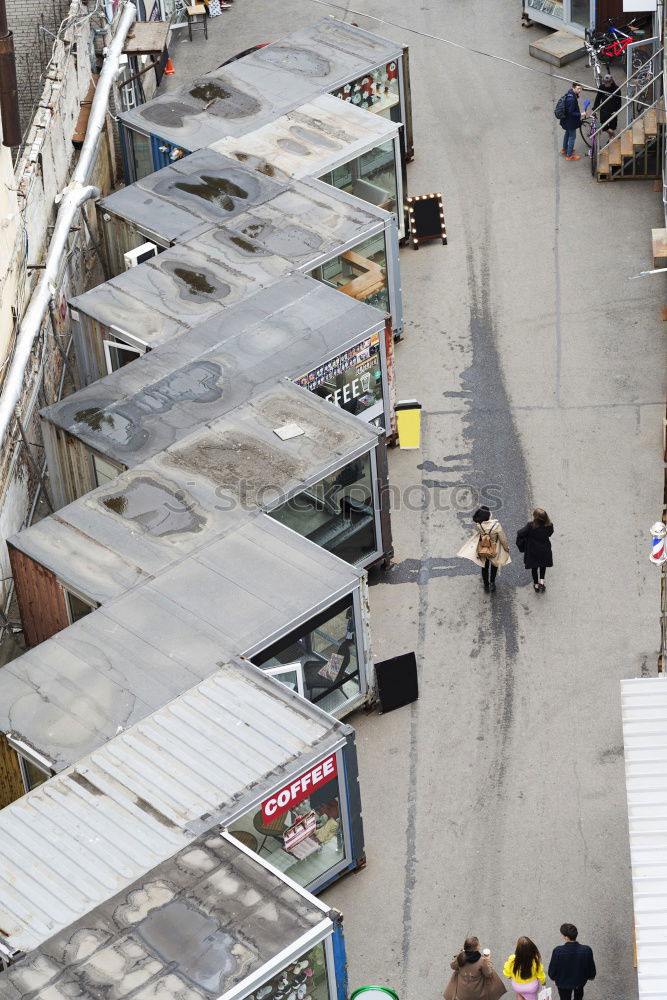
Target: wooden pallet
(603,167)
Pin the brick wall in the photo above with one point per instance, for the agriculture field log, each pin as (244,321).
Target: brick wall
(31,21)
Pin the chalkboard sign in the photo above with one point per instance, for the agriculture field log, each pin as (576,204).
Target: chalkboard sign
(397,681)
(426,217)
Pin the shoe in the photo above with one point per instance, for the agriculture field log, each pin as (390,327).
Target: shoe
(573,157)
(492,587)
(542,588)
(563,152)
(486,587)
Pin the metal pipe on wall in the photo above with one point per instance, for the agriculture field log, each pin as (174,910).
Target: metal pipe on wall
(77,192)
(9,106)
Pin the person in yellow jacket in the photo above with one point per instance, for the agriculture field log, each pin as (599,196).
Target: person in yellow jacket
(524,969)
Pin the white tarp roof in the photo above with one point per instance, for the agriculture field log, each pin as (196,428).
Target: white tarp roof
(644,707)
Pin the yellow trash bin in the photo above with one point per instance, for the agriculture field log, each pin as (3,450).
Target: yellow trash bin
(409,423)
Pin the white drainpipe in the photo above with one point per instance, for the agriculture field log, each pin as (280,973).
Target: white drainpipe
(77,192)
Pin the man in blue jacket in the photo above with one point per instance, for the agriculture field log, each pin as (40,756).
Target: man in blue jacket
(571,965)
(571,122)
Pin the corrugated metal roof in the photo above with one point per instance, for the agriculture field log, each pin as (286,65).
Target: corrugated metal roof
(79,689)
(243,96)
(310,140)
(194,927)
(185,498)
(644,707)
(143,408)
(95,828)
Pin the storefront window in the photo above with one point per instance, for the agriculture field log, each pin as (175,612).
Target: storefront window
(377,91)
(325,650)
(352,380)
(360,273)
(371,177)
(33,776)
(140,154)
(299,827)
(305,979)
(551,7)
(337,513)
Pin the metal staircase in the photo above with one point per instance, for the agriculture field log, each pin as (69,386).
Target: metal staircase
(637,151)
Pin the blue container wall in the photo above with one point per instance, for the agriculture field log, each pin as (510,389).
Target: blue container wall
(340,960)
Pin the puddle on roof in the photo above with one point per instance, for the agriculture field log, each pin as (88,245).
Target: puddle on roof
(287,241)
(173,113)
(218,191)
(306,62)
(315,138)
(159,509)
(94,418)
(292,146)
(224,100)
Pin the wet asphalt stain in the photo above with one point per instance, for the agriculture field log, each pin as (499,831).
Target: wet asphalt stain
(495,449)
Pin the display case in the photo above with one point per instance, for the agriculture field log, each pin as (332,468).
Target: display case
(329,56)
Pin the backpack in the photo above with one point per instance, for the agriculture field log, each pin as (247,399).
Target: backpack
(560,110)
(487,547)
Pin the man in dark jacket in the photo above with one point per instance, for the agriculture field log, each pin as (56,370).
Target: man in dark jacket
(571,965)
(571,122)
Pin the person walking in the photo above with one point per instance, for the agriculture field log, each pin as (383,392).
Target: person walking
(571,121)
(524,969)
(473,976)
(487,547)
(534,542)
(608,99)
(572,965)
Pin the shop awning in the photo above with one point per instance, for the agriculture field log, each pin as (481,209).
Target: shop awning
(644,708)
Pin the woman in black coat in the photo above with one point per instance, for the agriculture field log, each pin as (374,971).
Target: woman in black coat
(533,541)
(608,100)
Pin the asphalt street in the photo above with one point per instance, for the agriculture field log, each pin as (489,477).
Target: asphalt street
(496,804)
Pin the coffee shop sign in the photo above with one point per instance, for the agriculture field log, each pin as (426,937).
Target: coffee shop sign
(299,789)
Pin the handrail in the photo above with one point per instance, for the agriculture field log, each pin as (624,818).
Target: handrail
(655,79)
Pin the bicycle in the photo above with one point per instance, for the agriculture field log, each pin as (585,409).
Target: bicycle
(593,60)
(589,132)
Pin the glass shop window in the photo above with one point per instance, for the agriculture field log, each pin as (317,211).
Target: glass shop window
(352,380)
(551,7)
(305,979)
(77,607)
(326,649)
(377,91)
(337,513)
(360,273)
(104,471)
(371,177)
(141,155)
(301,836)
(31,774)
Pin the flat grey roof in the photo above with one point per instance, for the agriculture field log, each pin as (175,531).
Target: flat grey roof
(194,926)
(246,94)
(314,138)
(117,665)
(185,498)
(143,408)
(191,282)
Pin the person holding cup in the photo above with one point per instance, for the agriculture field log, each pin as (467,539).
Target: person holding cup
(473,976)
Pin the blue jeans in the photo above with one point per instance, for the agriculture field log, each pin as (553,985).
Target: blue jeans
(569,135)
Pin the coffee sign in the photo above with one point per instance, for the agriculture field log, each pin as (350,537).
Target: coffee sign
(299,789)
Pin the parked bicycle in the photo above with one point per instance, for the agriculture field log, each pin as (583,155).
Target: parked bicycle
(588,130)
(609,46)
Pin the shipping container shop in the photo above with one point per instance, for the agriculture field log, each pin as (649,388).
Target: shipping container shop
(334,141)
(304,620)
(329,56)
(238,750)
(215,922)
(332,345)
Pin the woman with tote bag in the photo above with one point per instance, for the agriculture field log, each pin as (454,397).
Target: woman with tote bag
(473,976)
